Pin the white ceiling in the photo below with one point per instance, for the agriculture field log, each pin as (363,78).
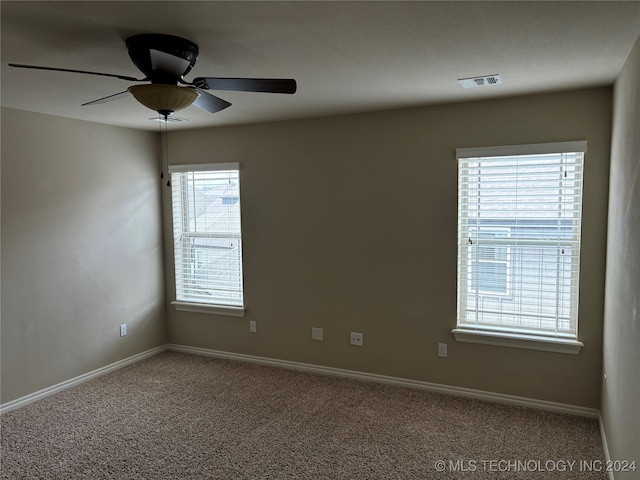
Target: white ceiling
(346,56)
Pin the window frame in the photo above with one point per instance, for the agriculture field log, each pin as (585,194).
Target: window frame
(512,336)
(192,305)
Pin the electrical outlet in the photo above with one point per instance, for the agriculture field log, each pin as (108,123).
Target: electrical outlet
(252,326)
(356,339)
(442,349)
(123,330)
(317,334)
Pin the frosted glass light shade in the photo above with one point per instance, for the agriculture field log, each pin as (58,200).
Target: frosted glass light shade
(164,99)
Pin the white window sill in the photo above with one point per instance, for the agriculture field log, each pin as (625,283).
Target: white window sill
(211,309)
(531,342)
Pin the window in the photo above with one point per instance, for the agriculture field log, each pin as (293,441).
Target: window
(207,237)
(519,224)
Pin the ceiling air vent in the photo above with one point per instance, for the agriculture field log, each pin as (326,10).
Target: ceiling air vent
(483,81)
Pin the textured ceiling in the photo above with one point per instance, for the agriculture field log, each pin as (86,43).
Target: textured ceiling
(346,56)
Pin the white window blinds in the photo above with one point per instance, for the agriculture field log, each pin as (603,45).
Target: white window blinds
(519,222)
(206,234)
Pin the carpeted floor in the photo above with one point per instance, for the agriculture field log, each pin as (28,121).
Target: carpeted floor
(179,416)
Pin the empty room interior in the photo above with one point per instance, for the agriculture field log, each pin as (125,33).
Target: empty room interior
(438,197)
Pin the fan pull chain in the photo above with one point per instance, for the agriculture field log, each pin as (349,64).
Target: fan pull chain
(161,155)
(166,142)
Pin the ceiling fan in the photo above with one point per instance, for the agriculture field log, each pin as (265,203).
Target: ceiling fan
(165,60)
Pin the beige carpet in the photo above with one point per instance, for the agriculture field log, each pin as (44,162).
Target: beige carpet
(179,416)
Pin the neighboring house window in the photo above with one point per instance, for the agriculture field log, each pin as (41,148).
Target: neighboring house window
(519,224)
(490,265)
(207,235)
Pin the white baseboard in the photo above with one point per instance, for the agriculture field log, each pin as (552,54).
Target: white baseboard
(338,372)
(32,397)
(603,435)
(402,382)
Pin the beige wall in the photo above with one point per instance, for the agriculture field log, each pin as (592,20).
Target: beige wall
(81,248)
(350,225)
(621,391)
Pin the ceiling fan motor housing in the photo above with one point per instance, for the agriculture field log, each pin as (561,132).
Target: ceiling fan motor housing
(140,46)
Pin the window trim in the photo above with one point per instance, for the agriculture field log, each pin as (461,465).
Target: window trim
(517,340)
(203,167)
(493,335)
(209,308)
(527,149)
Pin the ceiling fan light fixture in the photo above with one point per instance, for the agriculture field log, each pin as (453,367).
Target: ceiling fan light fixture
(164,99)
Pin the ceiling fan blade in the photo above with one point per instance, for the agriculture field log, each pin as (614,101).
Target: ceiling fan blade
(109,98)
(209,102)
(37,67)
(269,85)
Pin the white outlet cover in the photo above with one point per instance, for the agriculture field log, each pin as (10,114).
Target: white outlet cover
(356,339)
(317,334)
(123,330)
